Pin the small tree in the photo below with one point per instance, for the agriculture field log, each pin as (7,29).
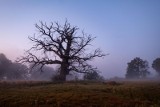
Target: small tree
(62,45)
(156,65)
(137,68)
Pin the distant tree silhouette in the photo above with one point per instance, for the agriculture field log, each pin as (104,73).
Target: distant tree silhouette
(17,71)
(62,45)
(156,65)
(4,63)
(10,70)
(137,68)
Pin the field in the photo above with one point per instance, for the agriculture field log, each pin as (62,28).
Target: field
(80,94)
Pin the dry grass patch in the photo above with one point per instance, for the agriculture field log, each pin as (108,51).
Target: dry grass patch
(71,94)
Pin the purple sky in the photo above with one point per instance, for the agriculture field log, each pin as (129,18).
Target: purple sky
(124,28)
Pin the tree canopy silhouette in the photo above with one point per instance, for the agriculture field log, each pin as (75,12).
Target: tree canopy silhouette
(156,65)
(62,45)
(137,68)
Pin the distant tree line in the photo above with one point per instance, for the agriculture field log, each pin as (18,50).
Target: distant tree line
(16,71)
(11,70)
(136,69)
(139,68)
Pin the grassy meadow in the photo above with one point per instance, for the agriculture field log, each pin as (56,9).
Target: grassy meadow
(80,94)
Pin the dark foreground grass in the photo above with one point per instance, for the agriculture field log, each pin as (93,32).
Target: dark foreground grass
(81,94)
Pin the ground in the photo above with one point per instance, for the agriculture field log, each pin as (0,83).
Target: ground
(80,94)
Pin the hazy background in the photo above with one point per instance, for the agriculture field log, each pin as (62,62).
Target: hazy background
(124,28)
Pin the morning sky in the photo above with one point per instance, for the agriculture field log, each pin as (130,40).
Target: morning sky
(124,28)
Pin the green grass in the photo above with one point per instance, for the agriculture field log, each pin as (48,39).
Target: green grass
(80,94)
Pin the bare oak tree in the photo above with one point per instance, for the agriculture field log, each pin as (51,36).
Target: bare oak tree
(61,45)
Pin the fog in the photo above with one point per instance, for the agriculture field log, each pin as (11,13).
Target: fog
(124,29)
(12,71)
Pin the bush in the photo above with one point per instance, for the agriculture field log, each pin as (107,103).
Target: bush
(93,76)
